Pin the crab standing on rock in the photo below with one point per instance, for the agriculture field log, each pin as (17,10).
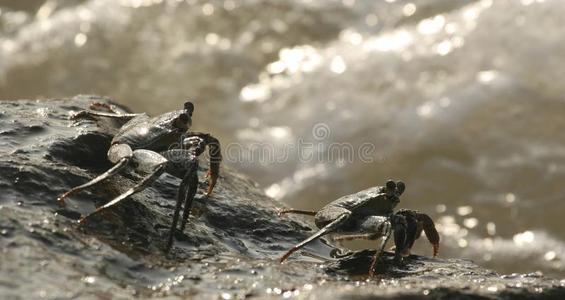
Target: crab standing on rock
(369,215)
(153,146)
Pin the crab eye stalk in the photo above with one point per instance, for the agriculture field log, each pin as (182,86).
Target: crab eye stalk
(400,186)
(189,107)
(390,188)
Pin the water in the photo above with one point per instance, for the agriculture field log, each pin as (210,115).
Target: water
(315,99)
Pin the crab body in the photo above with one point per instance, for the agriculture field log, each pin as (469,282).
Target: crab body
(152,146)
(156,134)
(369,202)
(369,215)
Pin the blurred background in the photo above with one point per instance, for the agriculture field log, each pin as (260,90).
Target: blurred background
(463,100)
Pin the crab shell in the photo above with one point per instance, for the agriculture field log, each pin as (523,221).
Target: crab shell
(155,134)
(374,201)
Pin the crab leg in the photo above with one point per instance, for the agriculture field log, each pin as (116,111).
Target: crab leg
(115,112)
(182,164)
(159,169)
(88,113)
(327,229)
(379,252)
(430,231)
(402,240)
(146,161)
(191,185)
(349,237)
(297,211)
(112,108)
(422,222)
(184,195)
(111,172)
(214,150)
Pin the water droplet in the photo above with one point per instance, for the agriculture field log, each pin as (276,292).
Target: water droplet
(425,110)
(486,76)
(441,208)
(226,296)
(212,38)
(338,65)
(431,25)
(80,39)
(207,9)
(409,9)
(492,289)
(46,10)
(395,41)
(444,47)
(255,92)
(491,228)
(351,36)
(526,237)
(464,210)
(470,222)
(89,279)
(462,243)
(279,132)
(276,67)
(550,255)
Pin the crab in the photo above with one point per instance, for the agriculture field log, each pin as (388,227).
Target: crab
(152,146)
(369,215)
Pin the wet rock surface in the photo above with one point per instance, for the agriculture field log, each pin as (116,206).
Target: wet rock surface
(229,249)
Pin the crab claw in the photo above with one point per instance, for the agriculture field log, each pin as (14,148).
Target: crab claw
(431,232)
(435,249)
(212,179)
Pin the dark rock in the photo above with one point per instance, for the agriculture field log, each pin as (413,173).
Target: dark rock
(229,248)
